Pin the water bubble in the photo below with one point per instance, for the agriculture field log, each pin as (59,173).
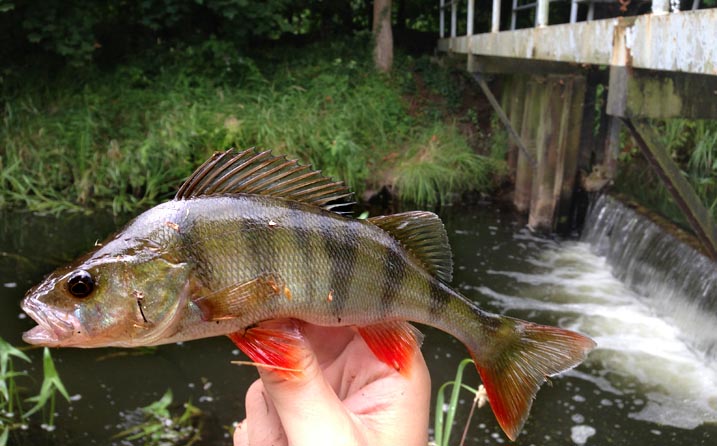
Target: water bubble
(579,398)
(577,418)
(10,285)
(580,433)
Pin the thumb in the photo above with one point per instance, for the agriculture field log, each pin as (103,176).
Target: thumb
(309,409)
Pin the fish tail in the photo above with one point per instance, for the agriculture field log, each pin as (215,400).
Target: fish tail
(514,358)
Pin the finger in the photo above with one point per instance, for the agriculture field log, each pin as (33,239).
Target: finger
(383,404)
(262,425)
(241,437)
(308,407)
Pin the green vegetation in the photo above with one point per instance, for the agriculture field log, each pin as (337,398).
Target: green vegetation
(693,146)
(445,412)
(157,426)
(126,138)
(13,411)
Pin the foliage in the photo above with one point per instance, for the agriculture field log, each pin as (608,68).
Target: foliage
(125,139)
(107,33)
(692,144)
(13,413)
(156,426)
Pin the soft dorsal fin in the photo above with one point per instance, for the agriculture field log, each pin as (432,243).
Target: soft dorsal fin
(423,234)
(261,173)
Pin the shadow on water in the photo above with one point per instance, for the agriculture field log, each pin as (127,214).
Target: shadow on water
(647,383)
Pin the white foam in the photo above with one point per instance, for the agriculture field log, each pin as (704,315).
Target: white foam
(633,339)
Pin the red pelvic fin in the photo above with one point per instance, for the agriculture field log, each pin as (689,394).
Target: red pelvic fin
(277,343)
(393,342)
(524,356)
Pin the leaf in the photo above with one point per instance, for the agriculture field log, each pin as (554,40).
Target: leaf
(4,435)
(6,351)
(50,382)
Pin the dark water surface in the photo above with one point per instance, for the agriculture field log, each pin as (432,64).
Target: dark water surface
(644,385)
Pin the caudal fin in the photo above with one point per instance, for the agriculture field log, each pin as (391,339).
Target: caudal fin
(524,355)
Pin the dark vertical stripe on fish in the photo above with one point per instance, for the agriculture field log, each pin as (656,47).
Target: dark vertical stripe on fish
(394,271)
(439,298)
(260,245)
(344,239)
(304,244)
(193,249)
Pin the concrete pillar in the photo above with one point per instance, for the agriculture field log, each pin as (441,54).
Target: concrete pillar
(531,118)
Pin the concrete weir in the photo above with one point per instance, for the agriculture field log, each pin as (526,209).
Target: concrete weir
(660,65)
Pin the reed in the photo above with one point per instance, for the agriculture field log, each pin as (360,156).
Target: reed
(445,410)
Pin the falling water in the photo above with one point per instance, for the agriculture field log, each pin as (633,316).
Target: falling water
(677,282)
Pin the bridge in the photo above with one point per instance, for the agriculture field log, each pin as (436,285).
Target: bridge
(662,64)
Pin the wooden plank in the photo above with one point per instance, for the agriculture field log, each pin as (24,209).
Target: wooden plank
(531,118)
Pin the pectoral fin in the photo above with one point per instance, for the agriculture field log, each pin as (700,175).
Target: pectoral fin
(275,343)
(394,343)
(236,300)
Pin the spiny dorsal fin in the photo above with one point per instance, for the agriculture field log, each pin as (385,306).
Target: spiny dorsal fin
(261,173)
(423,234)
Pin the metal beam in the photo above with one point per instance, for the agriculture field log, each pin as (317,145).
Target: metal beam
(697,215)
(504,119)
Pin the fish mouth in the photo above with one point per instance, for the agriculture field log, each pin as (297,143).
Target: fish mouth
(53,329)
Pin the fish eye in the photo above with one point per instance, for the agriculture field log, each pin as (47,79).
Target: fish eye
(80,283)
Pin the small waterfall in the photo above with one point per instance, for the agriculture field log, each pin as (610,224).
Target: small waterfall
(678,283)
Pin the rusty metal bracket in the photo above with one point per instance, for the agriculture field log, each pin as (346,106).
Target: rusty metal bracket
(697,214)
(504,119)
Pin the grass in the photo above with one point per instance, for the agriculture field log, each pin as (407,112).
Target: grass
(445,411)
(14,413)
(157,426)
(125,139)
(439,163)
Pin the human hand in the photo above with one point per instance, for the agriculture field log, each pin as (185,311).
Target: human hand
(345,396)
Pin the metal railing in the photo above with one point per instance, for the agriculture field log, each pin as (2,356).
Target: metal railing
(541,8)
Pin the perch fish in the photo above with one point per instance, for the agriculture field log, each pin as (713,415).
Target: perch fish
(251,237)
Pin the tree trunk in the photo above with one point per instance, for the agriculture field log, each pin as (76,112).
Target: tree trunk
(383,51)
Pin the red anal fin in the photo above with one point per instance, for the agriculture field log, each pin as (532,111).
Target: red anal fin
(394,343)
(276,343)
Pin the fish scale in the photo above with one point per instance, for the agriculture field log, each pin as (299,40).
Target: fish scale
(251,237)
